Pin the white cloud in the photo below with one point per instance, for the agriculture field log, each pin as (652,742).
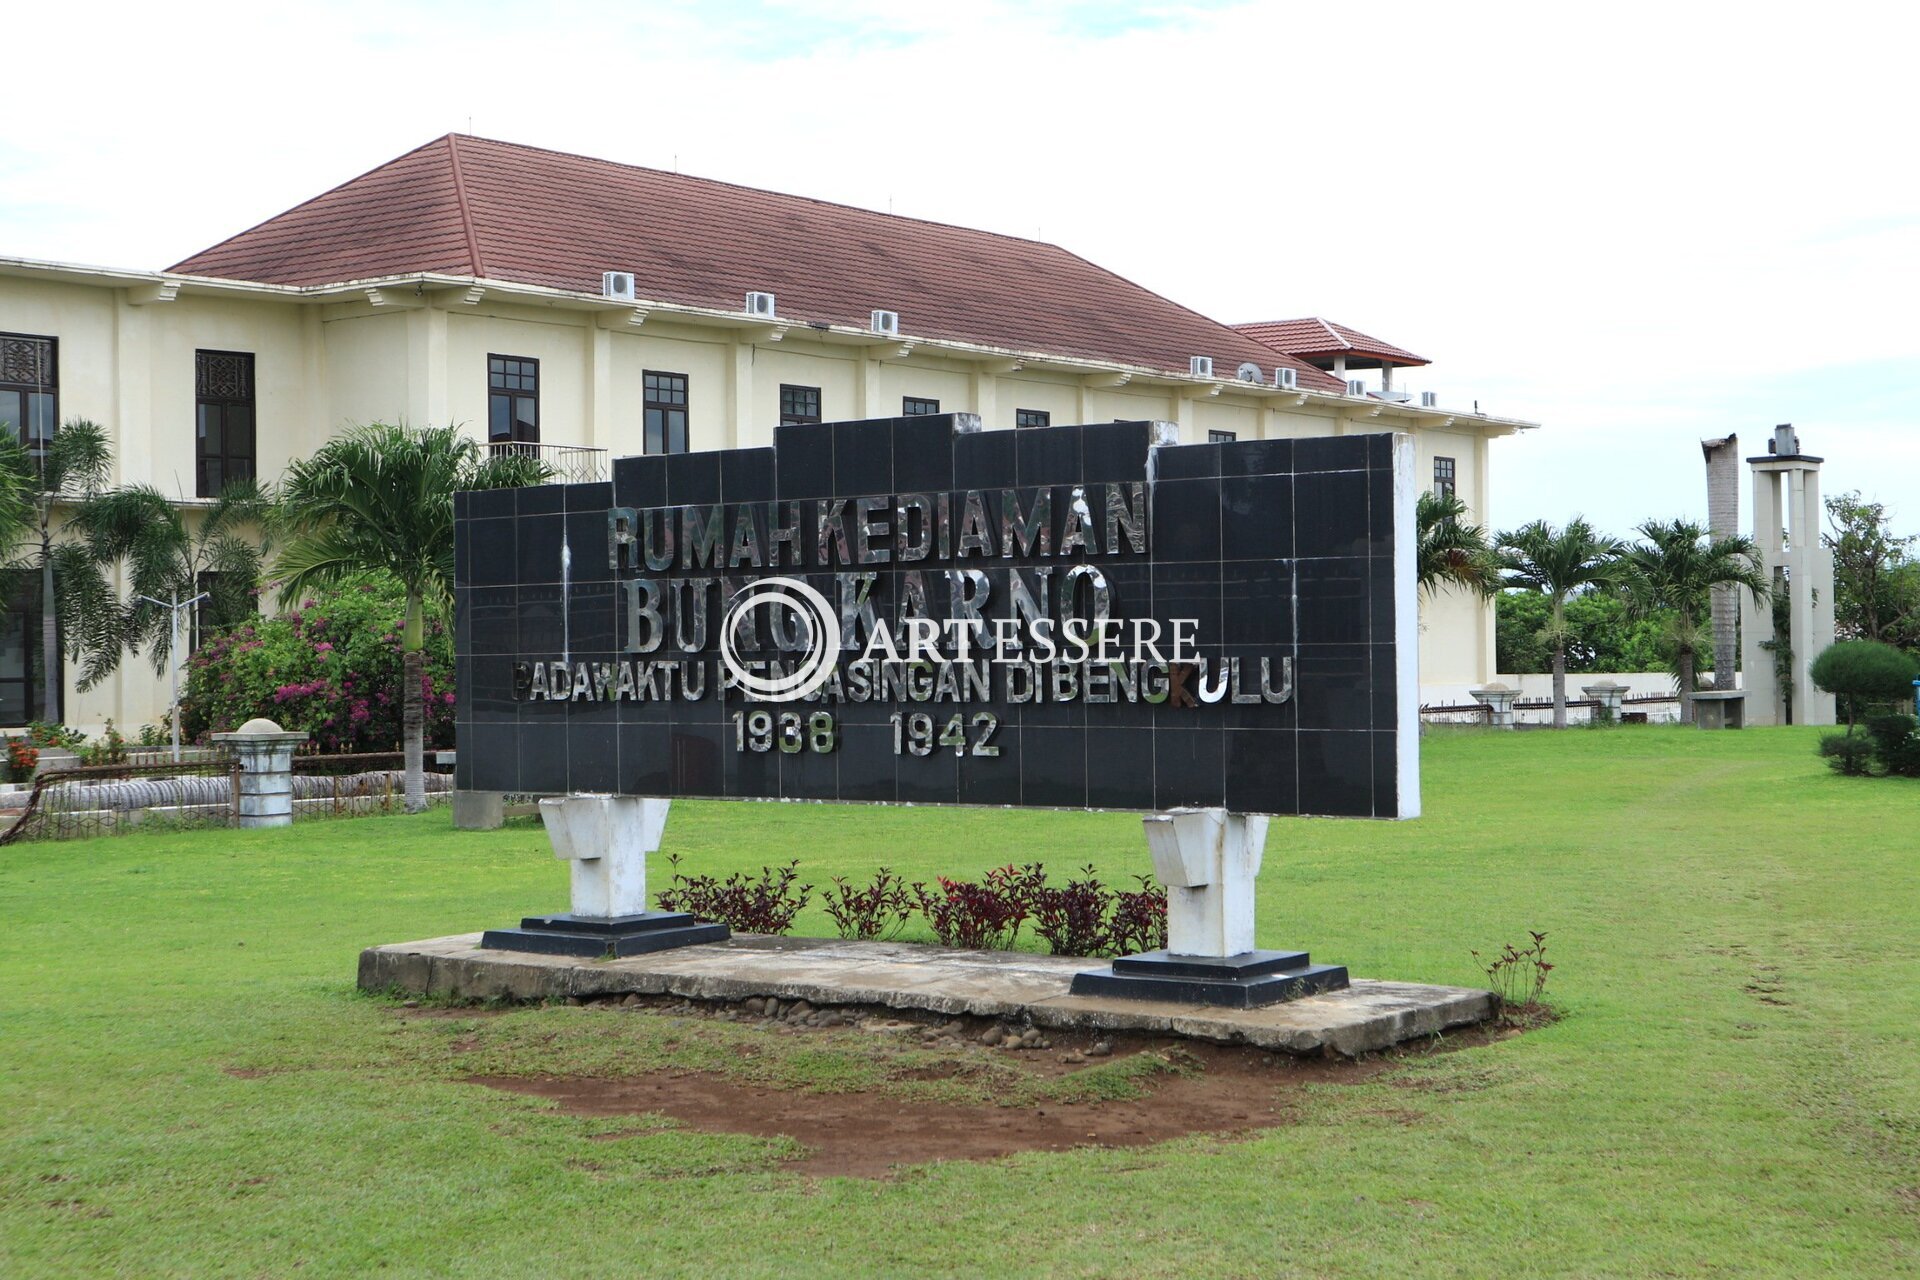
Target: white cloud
(1637,224)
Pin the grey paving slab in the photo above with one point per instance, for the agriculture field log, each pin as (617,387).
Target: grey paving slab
(1368,1016)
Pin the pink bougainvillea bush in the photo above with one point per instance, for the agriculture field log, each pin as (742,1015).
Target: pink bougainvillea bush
(330,667)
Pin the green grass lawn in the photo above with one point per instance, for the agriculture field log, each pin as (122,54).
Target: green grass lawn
(1734,1088)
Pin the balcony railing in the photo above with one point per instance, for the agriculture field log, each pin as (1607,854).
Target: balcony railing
(571,463)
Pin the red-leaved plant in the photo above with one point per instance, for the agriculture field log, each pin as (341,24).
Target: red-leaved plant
(1139,920)
(984,916)
(766,903)
(1073,920)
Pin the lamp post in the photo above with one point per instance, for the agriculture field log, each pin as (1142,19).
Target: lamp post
(175,605)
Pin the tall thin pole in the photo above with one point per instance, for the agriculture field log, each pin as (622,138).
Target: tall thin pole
(173,670)
(174,605)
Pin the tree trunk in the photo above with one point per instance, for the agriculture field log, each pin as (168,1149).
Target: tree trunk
(1686,686)
(1560,685)
(49,635)
(412,706)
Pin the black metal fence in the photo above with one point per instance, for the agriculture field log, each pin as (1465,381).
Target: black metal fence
(203,791)
(1633,710)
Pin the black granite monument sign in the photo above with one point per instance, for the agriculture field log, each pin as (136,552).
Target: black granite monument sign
(915,611)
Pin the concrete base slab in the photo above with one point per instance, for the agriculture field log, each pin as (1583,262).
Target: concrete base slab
(1366,1017)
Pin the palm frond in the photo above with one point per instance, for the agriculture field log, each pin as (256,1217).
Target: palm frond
(1452,552)
(17,513)
(380,497)
(94,624)
(78,460)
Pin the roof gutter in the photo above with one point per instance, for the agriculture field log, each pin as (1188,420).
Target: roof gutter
(163,286)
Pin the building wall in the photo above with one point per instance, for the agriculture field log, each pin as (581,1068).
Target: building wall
(320,367)
(366,377)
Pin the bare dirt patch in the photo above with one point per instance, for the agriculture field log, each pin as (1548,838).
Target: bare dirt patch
(872,1135)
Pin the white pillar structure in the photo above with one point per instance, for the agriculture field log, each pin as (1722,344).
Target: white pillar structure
(605,841)
(1786,528)
(1208,859)
(265,753)
(1723,521)
(1609,694)
(1498,699)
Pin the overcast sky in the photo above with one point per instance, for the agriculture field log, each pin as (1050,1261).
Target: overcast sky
(1637,226)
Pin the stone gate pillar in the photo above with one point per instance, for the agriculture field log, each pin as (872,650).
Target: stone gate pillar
(1786,527)
(1723,521)
(265,753)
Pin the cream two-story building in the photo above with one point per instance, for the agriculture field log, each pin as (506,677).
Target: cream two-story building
(593,310)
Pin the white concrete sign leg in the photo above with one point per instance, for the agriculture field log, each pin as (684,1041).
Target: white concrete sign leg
(606,839)
(1208,859)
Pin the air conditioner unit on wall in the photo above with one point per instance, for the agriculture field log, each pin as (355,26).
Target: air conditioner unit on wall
(1428,399)
(1286,379)
(617,285)
(1355,387)
(760,304)
(1200,366)
(887,322)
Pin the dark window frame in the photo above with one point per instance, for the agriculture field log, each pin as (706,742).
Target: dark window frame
(1032,418)
(1446,473)
(204,616)
(513,386)
(926,406)
(672,404)
(24,611)
(794,400)
(231,405)
(1215,436)
(47,387)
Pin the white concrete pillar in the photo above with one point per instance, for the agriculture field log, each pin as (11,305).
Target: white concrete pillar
(985,397)
(1756,617)
(1723,521)
(427,367)
(265,753)
(866,392)
(1208,859)
(741,432)
(1609,694)
(1498,699)
(606,840)
(1800,588)
(598,429)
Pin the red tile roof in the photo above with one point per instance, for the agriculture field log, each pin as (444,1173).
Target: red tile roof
(475,207)
(1314,338)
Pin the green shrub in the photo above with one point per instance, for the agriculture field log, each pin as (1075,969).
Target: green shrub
(1863,673)
(1896,744)
(330,667)
(51,733)
(1847,754)
(111,749)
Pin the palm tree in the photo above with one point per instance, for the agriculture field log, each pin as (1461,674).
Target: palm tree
(1674,571)
(379,498)
(1558,563)
(1453,553)
(76,598)
(167,561)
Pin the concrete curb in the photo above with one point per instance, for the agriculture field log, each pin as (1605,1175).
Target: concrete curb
(1367,1017)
